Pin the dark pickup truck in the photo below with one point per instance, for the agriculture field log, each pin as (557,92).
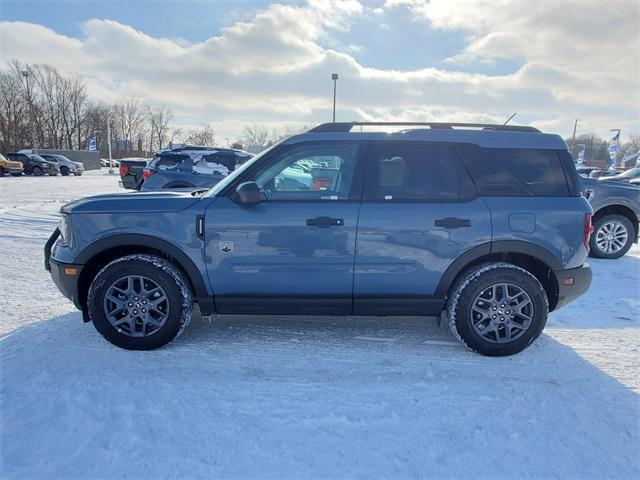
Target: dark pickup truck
(131,172)
(616,213)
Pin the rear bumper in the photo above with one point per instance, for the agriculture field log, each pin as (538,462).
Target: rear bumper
(580,283)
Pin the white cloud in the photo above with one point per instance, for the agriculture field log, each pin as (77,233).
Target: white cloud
(276,66)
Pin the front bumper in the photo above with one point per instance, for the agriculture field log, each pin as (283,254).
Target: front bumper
(572,283)
(64,275)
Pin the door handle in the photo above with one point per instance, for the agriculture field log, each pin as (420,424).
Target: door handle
(325,222)
(452,222)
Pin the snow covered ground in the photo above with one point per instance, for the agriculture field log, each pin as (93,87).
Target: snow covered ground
(287,397)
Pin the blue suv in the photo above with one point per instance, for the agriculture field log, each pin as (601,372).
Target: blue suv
(482,225)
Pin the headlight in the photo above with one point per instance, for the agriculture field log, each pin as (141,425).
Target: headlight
(65,229)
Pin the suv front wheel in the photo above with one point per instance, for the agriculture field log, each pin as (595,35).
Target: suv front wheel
(139,302)
(497,309)
(612,237)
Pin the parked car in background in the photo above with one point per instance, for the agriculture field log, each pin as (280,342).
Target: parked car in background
(188,167)
(107,163)
(625,176)
(130,170)
(66,165)
(484,225)
(34,164)
(616,214)
(10,166)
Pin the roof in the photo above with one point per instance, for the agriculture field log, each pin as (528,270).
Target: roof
(484,135)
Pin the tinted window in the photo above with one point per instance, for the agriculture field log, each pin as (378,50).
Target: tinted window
(310,172)
(515,172)
(168,161)
(416,171)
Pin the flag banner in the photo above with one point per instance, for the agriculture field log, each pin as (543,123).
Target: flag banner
(581,156)
(613,149)
(92,144)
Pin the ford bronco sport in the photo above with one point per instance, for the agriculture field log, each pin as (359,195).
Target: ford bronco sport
(483,225)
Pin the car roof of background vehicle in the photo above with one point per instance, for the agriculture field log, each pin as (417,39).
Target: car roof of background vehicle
(483,135)
(205,149)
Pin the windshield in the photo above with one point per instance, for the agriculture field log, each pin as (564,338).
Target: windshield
(222,184)
(37,157)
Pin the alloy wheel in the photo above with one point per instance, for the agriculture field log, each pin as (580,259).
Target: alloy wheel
(612,237)
(502,313)
(136,306)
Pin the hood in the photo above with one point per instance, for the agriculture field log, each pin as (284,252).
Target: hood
(133,202)
(618,184)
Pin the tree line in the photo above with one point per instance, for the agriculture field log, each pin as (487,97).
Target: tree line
(40,104)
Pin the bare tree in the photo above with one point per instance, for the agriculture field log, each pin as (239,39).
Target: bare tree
(203,136)
(160,119)
(255,135)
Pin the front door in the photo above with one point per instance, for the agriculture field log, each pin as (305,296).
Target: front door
(294,251)
(420,212)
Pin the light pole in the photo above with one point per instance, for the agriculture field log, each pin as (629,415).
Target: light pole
(334,77)
(109,144)
(34,142)
(227,142)
(573,138)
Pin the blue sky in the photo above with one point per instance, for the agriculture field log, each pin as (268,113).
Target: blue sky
(232,62)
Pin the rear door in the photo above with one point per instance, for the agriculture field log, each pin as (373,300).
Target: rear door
(419,213)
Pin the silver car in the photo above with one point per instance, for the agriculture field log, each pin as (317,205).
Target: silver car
(66,165)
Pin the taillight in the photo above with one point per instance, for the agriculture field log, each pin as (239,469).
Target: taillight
(124,169)
(588,230)
(147,173)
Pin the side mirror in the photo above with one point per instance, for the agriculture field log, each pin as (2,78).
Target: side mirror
(247,193)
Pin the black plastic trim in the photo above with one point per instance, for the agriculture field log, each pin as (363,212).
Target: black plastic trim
(581,283)
(500,246)
(205,300)
(399,305)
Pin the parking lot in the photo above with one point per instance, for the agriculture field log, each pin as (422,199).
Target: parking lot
(248,397)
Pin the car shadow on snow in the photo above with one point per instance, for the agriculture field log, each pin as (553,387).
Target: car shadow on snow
(306,396)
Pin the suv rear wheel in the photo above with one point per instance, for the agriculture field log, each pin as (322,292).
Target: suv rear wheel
(497,309)
(612,237)
(139,302)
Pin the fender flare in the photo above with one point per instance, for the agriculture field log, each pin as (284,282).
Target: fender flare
(205,300)
(500,246)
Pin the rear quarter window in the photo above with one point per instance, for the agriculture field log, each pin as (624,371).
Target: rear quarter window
(515,172)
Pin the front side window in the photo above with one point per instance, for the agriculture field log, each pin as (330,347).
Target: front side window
(310,172)
(420,171)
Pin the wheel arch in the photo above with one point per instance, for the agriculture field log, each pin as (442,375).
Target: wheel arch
(537,260)
(102,252)
(178,184)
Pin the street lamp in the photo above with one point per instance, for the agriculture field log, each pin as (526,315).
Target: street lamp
(109,144)
(573,138)
(34,144)
(334,77)
(227,142)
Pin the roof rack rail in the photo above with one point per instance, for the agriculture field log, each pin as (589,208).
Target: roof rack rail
(347,126)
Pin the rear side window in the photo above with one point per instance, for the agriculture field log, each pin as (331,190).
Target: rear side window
(169,161)
(420,171)
(515,172)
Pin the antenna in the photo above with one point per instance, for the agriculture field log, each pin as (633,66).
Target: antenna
(509,119)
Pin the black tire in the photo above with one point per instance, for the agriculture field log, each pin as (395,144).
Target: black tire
(596,240)
(64,171)
(164,275)
(469,288)
(2,171)
(16,174)
(37,171)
